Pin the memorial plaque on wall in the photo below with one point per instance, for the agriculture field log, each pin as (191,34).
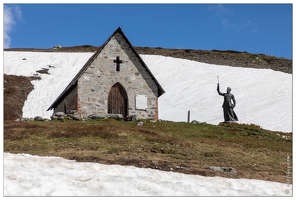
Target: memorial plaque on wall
(141,102)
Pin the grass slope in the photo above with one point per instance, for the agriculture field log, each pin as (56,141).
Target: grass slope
(180,147)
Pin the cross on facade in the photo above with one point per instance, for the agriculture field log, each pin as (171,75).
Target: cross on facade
(117,61)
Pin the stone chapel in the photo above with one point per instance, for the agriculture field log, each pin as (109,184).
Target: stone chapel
(115,80)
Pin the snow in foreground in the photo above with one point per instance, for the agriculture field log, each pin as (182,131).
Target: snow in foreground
(264,97)
(26,175)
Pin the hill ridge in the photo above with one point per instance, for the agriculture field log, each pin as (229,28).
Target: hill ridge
(217,57)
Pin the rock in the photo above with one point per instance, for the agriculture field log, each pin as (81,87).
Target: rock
(54,117)
(140,123)
(61,118)
(57,47)
(60,114)
(38,118)
(214,168)
(195,122)
(72,112)
(95,117)
(114,116)
(228,169)
(130,118)
(76,117)
(27,119)
(153,150)
(223,169)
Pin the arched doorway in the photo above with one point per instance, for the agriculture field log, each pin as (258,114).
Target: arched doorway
(117,100)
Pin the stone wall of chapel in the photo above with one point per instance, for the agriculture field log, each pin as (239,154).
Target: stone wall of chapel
(95,83)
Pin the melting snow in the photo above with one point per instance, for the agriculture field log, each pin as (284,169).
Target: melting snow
(26,175)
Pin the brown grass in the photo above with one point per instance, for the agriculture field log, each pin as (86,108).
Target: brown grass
(180,147)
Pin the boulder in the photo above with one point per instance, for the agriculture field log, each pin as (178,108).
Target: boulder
(27,119)
(72,112)
(140,123)
(60,114)
(76,117)
(130,118)
(38,118)
(195,122)
(54,117)
(95,117)
(223,169)
(114,116)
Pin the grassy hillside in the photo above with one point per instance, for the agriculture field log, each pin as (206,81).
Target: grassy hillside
(180,147)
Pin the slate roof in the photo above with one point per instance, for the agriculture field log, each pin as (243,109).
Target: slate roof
(92,58)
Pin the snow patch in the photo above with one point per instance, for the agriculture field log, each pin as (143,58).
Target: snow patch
(27,175)
(264,96)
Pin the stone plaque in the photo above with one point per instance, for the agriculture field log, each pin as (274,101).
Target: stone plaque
(141,102)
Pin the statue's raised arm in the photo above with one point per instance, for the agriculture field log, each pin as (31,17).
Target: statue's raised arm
(218,90)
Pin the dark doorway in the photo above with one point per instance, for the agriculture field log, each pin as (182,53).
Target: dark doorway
(117,100)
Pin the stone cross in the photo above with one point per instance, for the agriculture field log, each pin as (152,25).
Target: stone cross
(117,61)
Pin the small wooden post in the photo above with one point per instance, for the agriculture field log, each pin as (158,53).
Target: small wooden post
(188,116)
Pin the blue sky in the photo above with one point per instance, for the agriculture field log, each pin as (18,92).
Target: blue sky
(254,28)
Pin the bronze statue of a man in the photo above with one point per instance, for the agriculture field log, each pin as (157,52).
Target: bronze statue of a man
(228,105)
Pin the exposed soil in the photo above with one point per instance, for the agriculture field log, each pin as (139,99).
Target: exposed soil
(16,90)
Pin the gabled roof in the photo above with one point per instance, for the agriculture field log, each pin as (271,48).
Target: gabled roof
(92,58)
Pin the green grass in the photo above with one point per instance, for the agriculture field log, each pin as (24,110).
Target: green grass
(188,148)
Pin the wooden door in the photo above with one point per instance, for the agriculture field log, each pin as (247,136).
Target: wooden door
(117,100)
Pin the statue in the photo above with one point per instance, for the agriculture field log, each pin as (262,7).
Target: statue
(228,105)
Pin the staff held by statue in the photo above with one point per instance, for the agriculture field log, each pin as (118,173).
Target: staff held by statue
(218,79)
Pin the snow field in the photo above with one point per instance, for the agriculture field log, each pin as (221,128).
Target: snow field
(264,97)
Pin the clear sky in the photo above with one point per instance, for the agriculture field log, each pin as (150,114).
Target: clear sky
(254,28)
